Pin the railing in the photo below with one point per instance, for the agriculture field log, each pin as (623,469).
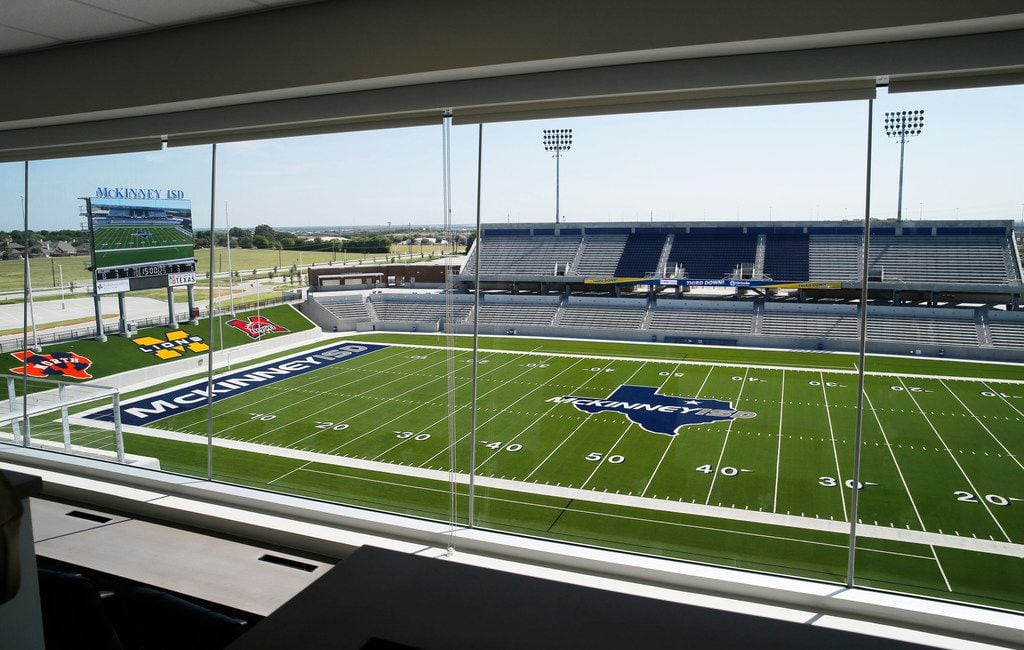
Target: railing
(74,334)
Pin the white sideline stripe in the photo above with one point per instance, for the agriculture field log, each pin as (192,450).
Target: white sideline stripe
(721,364)
(865,530)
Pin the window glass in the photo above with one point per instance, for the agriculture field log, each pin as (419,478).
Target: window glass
(13,239)
(941,469)
(308,401)
(111,262)
(656,377)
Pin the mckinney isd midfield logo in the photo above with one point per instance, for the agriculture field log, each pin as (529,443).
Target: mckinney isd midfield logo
(657,413)
(175,345)
(256,326)
(55,364)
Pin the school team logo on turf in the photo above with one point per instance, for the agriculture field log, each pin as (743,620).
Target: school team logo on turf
(53,365)
(175,345)
(656,413)
(256,326)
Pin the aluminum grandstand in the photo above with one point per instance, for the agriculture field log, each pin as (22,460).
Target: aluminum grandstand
(937,287)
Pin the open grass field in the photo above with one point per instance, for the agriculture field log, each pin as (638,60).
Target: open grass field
(45,274)
(942,482)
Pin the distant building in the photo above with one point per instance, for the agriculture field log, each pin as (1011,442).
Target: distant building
(63,249)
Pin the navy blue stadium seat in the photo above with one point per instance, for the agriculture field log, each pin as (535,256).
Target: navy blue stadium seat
(640,256)
(709,256)
(786,257)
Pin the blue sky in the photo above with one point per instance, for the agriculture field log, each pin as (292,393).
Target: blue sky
(780,162)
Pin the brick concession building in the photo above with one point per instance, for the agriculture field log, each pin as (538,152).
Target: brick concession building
(390,274)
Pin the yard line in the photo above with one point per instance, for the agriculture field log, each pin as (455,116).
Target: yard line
(626,430)
(673,438)
(978,420)
(467,405)
(327,377)
(336,449)
(428,402)
(493,417)
(1000,395)
(895,462)
(778,455)
(728,430)
(950,452)
(835,451)
(941,571)
(333,405)
(573,432)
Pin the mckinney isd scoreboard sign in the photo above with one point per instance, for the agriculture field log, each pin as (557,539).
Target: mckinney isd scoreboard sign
(141,239)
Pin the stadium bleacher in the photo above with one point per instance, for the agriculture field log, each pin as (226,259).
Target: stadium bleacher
(787,257)
(833,257)
(513,314)
(927,252)
(531,255)
(626,317)
(401,308)
(640,256)
(712,256)
(946,259)
(1007,334)
(601,254)
(809,325)
(927,259)
(937,331)
(701,320)
(348,309)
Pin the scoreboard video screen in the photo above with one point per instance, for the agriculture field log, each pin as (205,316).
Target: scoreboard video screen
(141,244)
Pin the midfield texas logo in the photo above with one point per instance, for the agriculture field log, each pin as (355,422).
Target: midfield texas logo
(256,326)
(657,413)
(175,345)
(55,364)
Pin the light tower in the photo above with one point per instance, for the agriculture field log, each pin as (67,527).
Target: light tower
(557,140)
(903,125)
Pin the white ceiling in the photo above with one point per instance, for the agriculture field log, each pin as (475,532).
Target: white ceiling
(32,24)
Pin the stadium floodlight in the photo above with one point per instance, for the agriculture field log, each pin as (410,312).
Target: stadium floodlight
(557,140)
(903,125)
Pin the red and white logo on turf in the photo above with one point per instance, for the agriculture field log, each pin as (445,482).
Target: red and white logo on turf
(56,364)
(256,326)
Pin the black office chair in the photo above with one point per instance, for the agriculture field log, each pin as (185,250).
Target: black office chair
(161,621)
(74,615)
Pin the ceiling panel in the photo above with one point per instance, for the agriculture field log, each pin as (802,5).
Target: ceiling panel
(63,19)
(16,39)
(31,24)
(162,12)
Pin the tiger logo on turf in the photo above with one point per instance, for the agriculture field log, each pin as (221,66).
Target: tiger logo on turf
(54,364)
(256,326)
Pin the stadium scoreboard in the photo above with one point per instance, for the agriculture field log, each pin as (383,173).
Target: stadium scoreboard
(140,243)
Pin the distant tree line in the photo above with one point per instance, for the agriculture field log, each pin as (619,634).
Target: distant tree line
(266,237)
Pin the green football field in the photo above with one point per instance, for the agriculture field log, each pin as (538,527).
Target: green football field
(125,245)
(942,483)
